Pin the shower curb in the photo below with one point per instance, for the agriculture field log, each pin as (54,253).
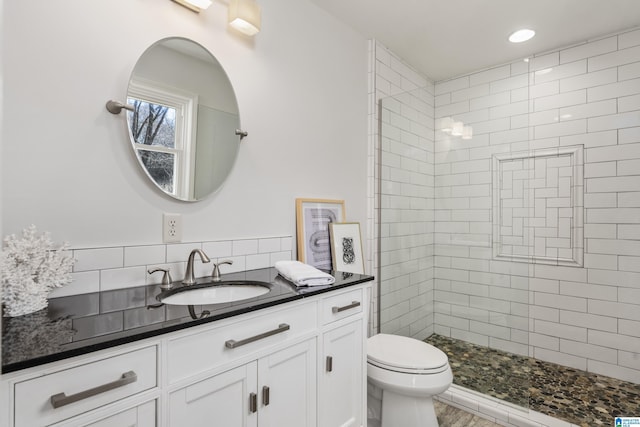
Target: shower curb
(497,411)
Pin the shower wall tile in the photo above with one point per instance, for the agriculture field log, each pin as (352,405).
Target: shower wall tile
(585,316)
(403,172)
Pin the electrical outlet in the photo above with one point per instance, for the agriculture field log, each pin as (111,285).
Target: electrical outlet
(171,228)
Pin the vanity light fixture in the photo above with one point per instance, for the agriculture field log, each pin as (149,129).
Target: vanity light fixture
(194,5)
(521,35)
(244,16)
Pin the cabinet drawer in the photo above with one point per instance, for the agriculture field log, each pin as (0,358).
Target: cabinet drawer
(343,305)
(83,388)
(205,350)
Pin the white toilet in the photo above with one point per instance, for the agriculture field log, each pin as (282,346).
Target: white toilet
(403,375)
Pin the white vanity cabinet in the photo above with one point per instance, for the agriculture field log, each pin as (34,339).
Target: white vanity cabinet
(119,384)
(294,364)
(342,388)
(267,359)
(277,390)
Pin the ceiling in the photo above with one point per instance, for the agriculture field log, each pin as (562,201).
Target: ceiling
(449,38)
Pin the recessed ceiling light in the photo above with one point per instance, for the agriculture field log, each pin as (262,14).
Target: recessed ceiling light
(521,36)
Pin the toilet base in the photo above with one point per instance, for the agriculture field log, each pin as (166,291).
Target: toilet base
(389,409)
(407,411)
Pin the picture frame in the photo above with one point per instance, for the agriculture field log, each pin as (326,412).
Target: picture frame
(313,217)
(346,247)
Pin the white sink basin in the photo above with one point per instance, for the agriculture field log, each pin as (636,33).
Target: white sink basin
(215,294)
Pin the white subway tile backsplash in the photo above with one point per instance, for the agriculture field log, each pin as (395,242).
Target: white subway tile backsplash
(611,340)
(502,98)
(560,301)
(615,371)
(560,71)
(269,245)
(588,80)
(144,255)
(586,50)
(629,135)
(122,278)
(573,127)
(589,351)
(543,90)
(253,262)
(629,263)
(630,71)
(84,282)
(589,321)
(622,310)
(575,97)
(490,75)
(628,327)
(603,185)
(614,59)
(560,330)
(180,252)
(629,39)
(613,90)
(592,109)
(245,247)
(469,93)
(96,259)
(544,61)
(218,249)
(629,103)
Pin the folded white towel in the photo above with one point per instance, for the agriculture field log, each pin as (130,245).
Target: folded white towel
(303,274)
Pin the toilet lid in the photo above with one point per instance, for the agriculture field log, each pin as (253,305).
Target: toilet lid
(405,354)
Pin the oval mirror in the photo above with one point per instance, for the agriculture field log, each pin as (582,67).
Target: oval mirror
(184,118)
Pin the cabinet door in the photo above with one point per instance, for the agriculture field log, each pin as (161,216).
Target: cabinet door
(341,384)
(222,400)
(287,387)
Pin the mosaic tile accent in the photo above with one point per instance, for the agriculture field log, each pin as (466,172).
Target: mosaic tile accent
(572,395)
(538,206)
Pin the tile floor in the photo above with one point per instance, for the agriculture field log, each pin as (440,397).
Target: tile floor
(449,416)
(579,397)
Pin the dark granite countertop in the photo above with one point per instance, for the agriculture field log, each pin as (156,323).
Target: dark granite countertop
(81,324)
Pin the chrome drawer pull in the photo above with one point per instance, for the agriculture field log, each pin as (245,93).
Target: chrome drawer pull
(329,364)
(61,399)
(253,403)
(265,396)
(233,343)
(353,304)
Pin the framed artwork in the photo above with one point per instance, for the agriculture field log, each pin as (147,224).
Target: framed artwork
(313,217)
(346,247)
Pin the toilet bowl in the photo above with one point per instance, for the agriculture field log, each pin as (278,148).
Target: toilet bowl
(403,375)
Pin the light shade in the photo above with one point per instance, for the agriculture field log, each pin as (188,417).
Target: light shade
(457,128)
(195,5)
(446,124)
(244,16)
(521,35)
(467,132)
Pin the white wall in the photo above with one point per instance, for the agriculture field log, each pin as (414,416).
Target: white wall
(585,317)
(67,164)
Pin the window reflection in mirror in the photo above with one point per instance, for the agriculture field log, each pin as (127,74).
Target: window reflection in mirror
(185,116)
(153,130)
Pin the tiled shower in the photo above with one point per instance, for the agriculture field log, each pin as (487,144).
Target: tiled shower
(526,237)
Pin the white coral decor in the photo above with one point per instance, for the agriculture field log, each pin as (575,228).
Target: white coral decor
(30,267)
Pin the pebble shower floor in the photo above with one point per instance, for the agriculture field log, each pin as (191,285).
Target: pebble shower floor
(569,394)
